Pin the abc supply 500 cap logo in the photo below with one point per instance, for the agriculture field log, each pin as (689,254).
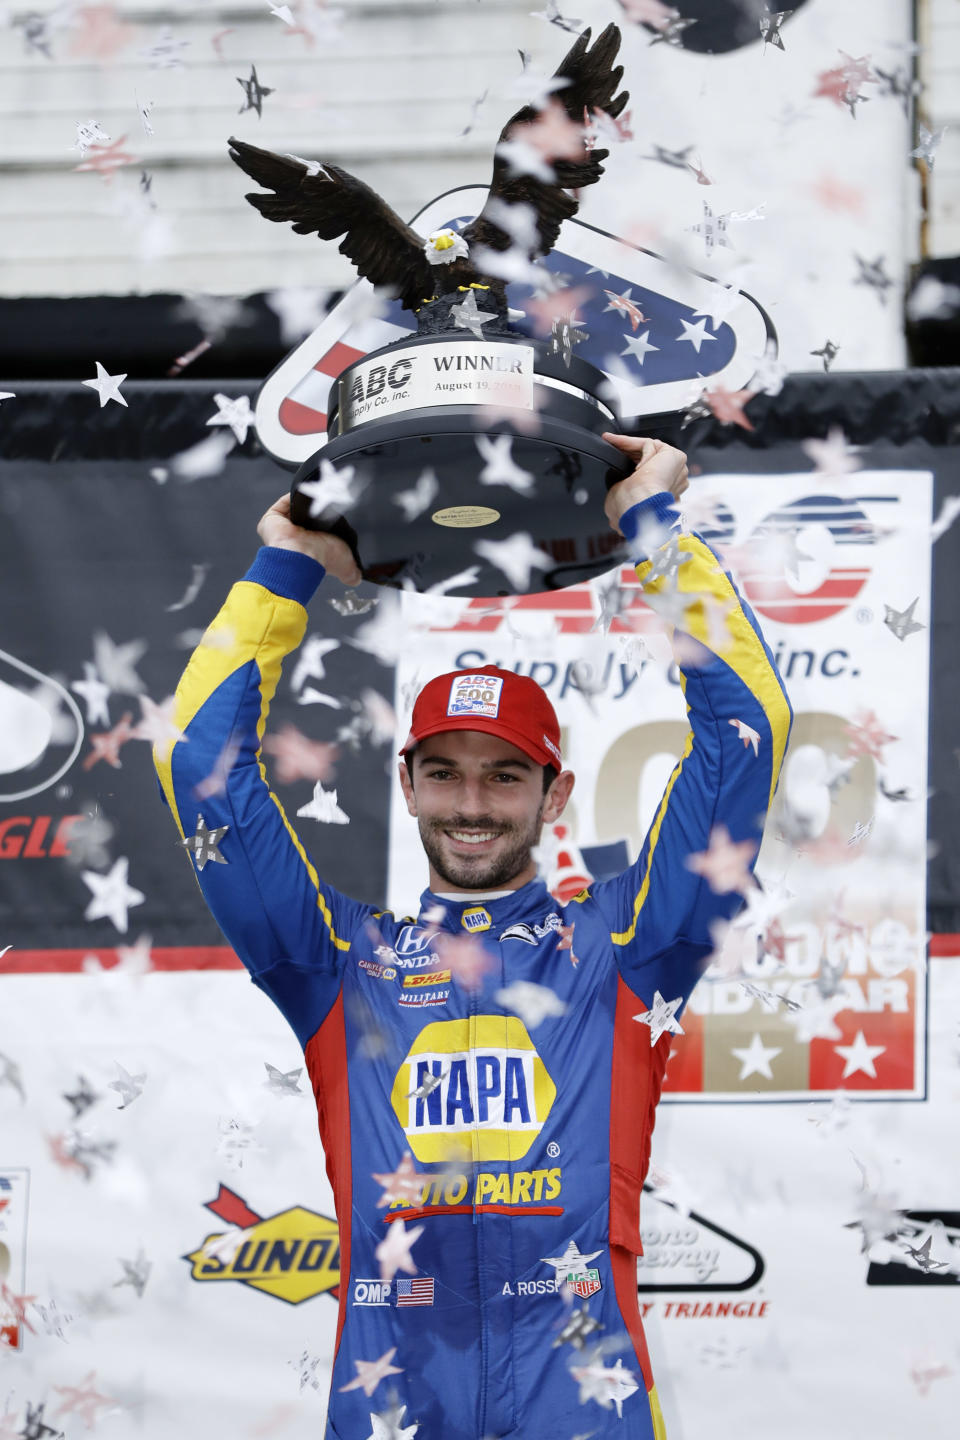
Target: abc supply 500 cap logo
(493,1096)
(475,695)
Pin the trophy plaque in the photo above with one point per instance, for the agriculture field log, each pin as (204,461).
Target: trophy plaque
(438,463)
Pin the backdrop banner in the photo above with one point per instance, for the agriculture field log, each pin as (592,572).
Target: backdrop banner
(822,562)
(168,1249)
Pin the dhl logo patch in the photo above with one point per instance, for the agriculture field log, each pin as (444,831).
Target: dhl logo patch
(431,977)
(293,1255)
(484,1092)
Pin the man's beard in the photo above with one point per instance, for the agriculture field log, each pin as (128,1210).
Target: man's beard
(483,873)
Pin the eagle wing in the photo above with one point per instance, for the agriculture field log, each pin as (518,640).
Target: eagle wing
(328,202)
(593,81)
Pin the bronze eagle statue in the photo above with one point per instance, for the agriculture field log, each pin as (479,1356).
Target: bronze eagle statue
(321,198)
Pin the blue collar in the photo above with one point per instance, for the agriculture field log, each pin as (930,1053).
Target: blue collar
(531,900)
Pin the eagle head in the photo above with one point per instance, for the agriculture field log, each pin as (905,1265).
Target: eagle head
(442,247)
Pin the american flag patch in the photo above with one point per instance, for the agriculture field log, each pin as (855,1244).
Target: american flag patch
(418,1291)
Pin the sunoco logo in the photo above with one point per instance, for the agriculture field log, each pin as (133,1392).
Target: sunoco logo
(494,1092)
(293,1255)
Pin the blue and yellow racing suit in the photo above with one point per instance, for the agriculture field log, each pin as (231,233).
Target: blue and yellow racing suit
(517,1314)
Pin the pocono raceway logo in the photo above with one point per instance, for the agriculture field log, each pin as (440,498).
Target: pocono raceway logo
(292,1255)
(297,397)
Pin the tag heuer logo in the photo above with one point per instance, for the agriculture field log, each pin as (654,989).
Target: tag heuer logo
(584,1282)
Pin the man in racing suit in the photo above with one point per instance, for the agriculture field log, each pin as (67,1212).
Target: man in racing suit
(486,1161)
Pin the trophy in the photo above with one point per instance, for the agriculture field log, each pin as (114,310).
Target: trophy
(468,457)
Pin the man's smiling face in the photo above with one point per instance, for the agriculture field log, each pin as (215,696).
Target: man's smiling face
(480,806)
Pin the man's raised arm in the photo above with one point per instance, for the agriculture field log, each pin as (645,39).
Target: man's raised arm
(289,928)
(700,849)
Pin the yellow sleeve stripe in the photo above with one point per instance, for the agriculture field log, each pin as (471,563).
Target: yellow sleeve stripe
(254,624)
(625,936)
(702,577)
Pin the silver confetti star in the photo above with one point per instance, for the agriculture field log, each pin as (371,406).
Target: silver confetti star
(336,489)
(107,386)
(253,92)
(578,1327)
(128,1086)
(770,28)
(929,145)
(235,413)
(205,842)
(828,353)
(112,896)
(672,32)
(564,334)
(901,622)
(283,1082)
(516,557)
(500,468)
(136,1272)
(467,316)
(82,1098)
(413,502)
(874,276)
(667,561)
(571,1259)
(661,1017)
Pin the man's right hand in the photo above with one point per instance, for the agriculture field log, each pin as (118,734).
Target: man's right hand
(277,529)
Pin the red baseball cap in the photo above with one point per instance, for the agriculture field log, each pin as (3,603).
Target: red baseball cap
(498,702)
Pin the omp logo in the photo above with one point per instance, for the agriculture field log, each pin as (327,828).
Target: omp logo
(293,1255)
(493,1096)
(810,559)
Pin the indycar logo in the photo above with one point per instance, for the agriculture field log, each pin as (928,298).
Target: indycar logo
(532,934)
(474,1084)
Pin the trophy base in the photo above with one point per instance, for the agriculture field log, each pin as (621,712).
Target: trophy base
(560,507)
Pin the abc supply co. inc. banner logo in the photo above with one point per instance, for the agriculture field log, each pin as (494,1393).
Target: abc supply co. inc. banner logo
(806,561)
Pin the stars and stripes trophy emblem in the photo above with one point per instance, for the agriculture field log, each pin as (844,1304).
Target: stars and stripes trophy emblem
(449,420)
